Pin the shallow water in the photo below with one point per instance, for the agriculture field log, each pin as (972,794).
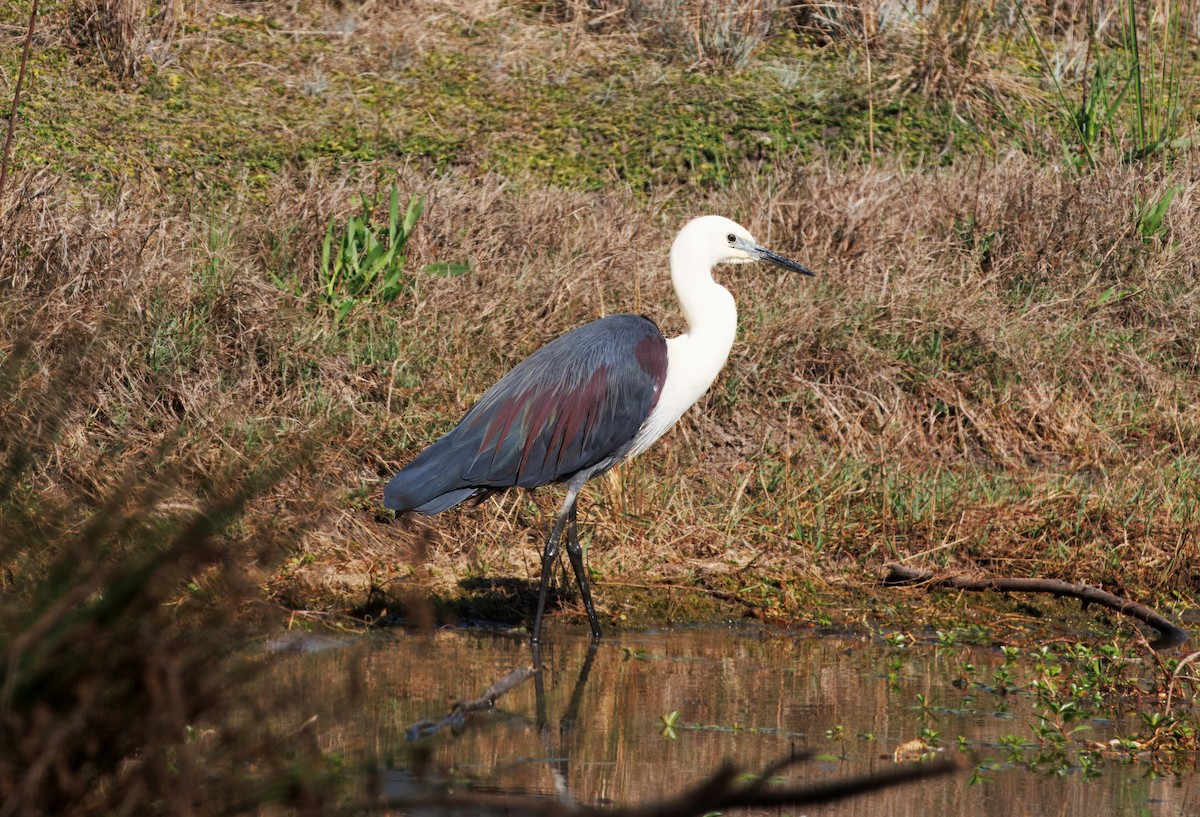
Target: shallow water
(596,734)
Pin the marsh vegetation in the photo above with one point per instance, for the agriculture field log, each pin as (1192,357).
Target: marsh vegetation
(255,255)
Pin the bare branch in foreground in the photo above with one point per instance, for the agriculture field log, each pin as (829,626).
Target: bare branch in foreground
(723,791)
(16,102)
(1171,634)
(456,719)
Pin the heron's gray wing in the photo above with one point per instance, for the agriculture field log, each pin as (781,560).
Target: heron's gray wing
(575,404)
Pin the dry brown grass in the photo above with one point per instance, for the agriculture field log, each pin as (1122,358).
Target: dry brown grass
(122,34)
(993,366)
(956,380)
(700,31)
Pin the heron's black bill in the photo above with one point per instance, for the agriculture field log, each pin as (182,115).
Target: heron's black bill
(763,254)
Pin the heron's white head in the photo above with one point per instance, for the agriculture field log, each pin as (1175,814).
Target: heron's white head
(710,240)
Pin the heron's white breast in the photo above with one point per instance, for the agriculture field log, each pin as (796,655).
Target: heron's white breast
(693,362)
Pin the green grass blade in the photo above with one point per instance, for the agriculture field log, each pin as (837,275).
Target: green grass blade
(1139,100)
(415,207)
(326,270)
(445,269)
(1062,97)
(393,214)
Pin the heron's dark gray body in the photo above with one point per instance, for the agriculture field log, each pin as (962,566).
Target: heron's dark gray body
(570,410)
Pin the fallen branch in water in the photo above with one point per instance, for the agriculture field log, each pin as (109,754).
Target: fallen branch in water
(726,789)
(457,717)
(1171,634)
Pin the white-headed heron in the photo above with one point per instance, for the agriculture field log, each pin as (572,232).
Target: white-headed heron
(593,397)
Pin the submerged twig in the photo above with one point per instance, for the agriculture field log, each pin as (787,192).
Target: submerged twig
(1183,662)
(458,713)
(1171,634)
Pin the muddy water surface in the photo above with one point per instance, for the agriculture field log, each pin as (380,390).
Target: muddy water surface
(597,733)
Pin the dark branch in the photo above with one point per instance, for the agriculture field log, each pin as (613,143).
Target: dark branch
(488,699)
(720,792)
(1171,634)
(456,718)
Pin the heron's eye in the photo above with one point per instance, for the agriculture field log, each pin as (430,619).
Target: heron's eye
(731,238)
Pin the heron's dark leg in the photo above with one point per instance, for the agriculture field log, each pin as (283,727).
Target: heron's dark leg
(548,557)
(576,555)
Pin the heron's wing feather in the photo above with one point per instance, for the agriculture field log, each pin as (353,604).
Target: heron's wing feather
(570,406)
(575,404)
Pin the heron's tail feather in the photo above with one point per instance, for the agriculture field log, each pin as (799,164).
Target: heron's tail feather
(427,485)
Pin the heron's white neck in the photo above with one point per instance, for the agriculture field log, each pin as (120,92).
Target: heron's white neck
(709,308)
(695,358)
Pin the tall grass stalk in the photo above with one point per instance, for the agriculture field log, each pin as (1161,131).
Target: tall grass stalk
(16,100)
(1159,78)
(1133,99)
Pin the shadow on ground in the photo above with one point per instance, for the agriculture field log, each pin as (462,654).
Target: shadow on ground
(482,601)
